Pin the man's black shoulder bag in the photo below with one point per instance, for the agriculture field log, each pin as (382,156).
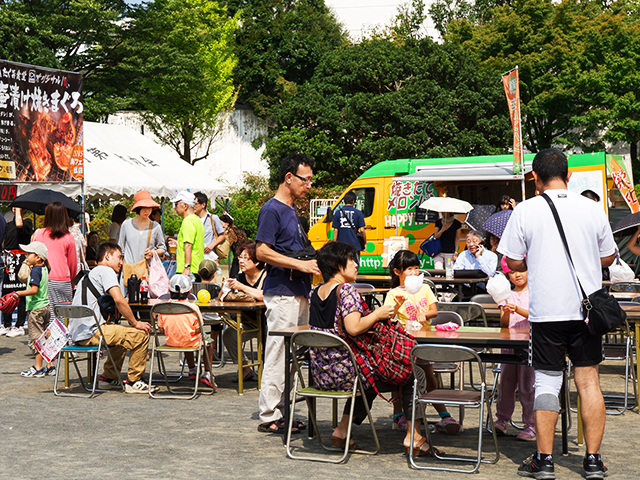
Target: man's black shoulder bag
(602,310)
(106,302)
(306,254)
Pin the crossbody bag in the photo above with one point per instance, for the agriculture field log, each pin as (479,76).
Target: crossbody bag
(140,269)
(603,311)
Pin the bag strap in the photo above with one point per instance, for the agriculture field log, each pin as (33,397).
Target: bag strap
(348,220)
(556,217)
(150,230)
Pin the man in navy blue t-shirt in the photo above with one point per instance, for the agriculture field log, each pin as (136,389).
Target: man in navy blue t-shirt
(347,221)
(288,283)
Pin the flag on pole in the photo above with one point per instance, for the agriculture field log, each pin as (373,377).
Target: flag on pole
(622,182)
(512,90)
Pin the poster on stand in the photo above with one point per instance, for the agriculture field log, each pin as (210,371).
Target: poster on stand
(41,120)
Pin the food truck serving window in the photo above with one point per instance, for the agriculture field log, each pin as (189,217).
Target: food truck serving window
(365,198)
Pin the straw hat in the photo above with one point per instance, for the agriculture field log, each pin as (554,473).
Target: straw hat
(143,199)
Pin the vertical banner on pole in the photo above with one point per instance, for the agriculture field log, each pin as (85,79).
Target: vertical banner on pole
(512,90)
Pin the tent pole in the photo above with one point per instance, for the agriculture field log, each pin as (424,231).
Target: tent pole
(162,209)
(523,190)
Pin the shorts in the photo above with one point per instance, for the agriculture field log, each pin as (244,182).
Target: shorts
(38,321)
(549,342)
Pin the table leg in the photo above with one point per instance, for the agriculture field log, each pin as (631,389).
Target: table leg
(637,331)
(239,332)
(564,408)
(287,384)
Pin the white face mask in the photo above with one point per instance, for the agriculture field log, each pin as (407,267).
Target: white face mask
(413,283)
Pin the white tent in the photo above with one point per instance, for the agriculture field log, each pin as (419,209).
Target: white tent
(118,162)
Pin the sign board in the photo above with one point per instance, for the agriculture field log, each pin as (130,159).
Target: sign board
(40,124)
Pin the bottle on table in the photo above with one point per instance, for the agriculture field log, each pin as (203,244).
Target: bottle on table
(144,290)
(133,287)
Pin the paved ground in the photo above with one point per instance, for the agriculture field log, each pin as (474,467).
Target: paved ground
(130,436)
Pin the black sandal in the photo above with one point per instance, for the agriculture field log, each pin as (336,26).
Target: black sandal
(277,427)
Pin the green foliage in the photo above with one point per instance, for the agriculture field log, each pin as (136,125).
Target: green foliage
(442,12)
(279,45)
(379,99)
(547,42)
(179,59)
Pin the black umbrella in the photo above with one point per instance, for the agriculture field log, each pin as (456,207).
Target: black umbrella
(627,226)
(37,200)
(479,215)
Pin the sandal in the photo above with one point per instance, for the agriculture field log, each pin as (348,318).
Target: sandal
(277,427)
(341,442)
(419,452)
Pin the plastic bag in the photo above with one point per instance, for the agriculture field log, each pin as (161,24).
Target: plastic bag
(158,278)
(619,271)
(499,288)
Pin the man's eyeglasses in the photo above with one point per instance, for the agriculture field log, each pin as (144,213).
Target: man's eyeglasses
(304,180)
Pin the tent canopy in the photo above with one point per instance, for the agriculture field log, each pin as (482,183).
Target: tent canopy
(119,161)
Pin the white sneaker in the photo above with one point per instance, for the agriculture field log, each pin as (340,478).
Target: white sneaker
(4,330)
(139,387)
(16,332)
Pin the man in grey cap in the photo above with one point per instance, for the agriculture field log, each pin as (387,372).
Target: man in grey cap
(190,246)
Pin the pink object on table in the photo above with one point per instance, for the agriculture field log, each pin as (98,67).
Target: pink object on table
(446,327)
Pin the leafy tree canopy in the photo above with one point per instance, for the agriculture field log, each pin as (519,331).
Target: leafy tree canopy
(379,100)
(178,58)
(279,45)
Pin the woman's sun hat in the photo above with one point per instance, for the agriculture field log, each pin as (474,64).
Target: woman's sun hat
(143,199)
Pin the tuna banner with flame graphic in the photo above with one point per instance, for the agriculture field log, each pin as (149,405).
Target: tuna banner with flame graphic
(40,124)
(512,90)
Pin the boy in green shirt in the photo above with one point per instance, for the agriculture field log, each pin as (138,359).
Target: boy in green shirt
(37,303)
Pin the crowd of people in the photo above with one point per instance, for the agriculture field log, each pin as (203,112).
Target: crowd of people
(277,269)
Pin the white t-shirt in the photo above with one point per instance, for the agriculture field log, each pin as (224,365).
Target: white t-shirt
(531,230)
(103,278)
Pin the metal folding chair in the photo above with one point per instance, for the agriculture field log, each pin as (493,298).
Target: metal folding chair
(462,398)
(469,311)
(625,287)
(214,290)
(72,312)
(314,339)
(175,308)
(482,298)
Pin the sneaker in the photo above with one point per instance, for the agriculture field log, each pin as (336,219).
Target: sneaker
(139,387)
(534,468)
(16,332)
(594,468)
(528,434)
(209,381)
(500,426)
(192,374)
(448,425)
(32,372)
(400,423)
(51,370)
(105,383)
(4,330)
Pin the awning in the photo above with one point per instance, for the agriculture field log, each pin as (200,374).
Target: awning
(465,173)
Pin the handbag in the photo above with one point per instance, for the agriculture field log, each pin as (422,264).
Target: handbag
(603,311)
(432,246)
(359,235)
(384,351)
(158,278)
(139,268)
(221,250)
(24,273)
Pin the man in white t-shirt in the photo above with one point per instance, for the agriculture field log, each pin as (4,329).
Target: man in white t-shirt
(209,220)
(84,331)
(557,322)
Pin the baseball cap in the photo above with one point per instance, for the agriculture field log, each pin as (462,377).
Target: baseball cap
(180,284)
(207,268)
(38,248)
(184,196)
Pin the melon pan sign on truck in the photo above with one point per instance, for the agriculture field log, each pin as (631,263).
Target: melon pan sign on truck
(390,192)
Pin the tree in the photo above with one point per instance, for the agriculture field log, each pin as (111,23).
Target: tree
(476,12)
(547,42)
(279,45)
(379,100)
(613,86)
(75,36)
(178,59)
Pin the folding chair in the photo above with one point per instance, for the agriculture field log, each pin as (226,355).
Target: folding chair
(314,339)
(469,311)
(366,291)
(174,308)
(214,290)
(72,312)
(462,398)
(482,298)
(625,287)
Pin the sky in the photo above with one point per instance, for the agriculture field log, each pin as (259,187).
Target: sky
(360,15)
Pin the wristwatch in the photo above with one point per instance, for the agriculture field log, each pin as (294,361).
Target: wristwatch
(187,265)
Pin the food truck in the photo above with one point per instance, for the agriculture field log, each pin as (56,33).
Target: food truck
(390,193)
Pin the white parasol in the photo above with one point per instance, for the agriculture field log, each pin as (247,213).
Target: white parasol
(446,204)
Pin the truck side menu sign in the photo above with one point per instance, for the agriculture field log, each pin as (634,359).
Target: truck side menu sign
(40,124)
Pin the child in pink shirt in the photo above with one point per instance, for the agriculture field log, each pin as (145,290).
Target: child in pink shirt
(514,313)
